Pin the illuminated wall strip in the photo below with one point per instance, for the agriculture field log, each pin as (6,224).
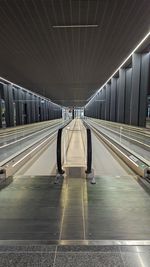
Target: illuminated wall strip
(141,42)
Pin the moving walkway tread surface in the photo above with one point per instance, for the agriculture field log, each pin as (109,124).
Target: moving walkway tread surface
(33,208)
(134,139)
(12,144)
(7,139)
(36,213)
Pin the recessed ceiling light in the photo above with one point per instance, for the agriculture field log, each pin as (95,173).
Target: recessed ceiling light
(76,26)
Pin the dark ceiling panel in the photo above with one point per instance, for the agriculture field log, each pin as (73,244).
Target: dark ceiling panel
(68,65)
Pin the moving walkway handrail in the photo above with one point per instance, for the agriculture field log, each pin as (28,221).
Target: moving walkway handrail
(89,150)
(58,149)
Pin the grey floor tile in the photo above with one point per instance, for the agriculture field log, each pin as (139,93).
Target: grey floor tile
(27,248)
(135,249)
(85,259)
(136,259)
(26,259)
(39,260)
(9,260)
(87,248)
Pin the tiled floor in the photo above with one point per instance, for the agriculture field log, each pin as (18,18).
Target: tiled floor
(73,256)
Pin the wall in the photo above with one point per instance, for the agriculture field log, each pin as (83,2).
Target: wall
(124,98)
(23,107)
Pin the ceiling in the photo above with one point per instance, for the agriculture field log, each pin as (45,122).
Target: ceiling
(68,65)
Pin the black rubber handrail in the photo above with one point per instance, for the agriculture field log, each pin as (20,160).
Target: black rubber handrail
(89,151)
(58,152)
(89,148)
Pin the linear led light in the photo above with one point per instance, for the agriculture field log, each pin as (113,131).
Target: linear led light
(126,59)
(75,26)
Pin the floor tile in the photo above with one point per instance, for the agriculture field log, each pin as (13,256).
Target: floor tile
(26,259)
(27,248)
(85,259)
(87,248)
(136,259)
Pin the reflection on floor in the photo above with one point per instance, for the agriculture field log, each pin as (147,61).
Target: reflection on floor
(36,208)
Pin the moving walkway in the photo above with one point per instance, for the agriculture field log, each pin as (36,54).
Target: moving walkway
(114,211)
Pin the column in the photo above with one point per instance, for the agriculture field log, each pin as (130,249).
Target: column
(135,89)
(103,103)
(113,99)
(128,77)
(121,96)
(143,88)
(108,94)
(10,105)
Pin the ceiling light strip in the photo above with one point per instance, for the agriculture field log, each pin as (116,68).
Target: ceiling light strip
(126,59)
(76,26)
